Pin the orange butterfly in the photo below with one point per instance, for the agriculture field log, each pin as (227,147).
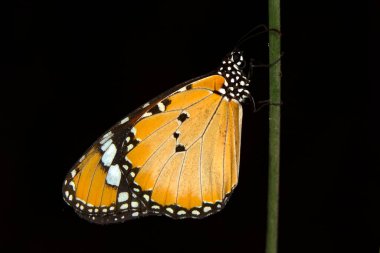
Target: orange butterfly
(177,155)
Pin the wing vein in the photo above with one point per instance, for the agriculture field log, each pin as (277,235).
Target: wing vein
(203,131)
(224,152)
(158,148)
(173,119)
(92,179)
(155,182)
(212,117)
(176,130)
(179,177)
(235,158)
(234,140)
(200,170)
(200,100)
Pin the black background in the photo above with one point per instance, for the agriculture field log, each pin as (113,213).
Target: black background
(70,71)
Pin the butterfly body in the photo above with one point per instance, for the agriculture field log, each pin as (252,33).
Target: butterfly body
(177,155)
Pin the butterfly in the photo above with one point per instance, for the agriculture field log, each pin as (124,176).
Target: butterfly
(177,155)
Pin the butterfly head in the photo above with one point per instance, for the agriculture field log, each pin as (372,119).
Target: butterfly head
(236,83)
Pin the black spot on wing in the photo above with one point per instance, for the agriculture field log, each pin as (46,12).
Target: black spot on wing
(166,102)
(182,117)
(155,110)
(179,148)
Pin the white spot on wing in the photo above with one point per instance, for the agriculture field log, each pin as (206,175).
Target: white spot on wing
(113,175)
(135,214)
(181,212)
(123,196)
(195,212)
(170,210)
(206,209)
(124,206)
(105,146)
(124,120)
(73,173)
(109,155)
(145,105)
(129,147)
(106,137)
(161,107)
(72,185)
(147,114)
(66,193)
(134,204)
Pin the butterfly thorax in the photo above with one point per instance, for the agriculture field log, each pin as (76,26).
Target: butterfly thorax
(236,83)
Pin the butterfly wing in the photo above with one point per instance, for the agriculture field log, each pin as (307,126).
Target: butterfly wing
(177,155)
(187,157)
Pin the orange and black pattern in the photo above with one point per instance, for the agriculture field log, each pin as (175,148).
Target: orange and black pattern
(177,155)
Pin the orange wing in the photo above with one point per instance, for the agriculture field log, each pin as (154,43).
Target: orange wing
(187,157)
(178,155)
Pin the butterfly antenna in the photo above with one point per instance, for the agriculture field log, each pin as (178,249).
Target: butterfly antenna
(253,34)
(250,33)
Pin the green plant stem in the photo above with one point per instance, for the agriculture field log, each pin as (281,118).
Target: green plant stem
(274,126)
